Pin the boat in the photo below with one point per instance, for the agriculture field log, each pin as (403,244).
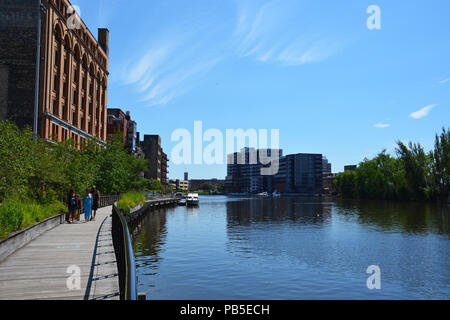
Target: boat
(263,194)
(192,199)
(182,201)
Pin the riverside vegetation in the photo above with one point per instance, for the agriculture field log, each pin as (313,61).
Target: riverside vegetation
(35,176)
(412,175)
(130,200)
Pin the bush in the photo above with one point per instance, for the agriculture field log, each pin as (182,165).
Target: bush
(130,200)
(16,215)
(11,216)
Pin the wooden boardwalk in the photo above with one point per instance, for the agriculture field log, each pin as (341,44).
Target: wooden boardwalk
(39,270)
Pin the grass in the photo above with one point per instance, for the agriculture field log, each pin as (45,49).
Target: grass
(130,200)
(17,215)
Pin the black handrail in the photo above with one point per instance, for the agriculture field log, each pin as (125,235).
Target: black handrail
(124,255)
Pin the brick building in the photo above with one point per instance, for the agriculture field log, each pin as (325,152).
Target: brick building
(157,159)
(73,70)
(119,121)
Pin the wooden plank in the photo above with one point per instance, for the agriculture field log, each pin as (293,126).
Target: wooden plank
(39,270)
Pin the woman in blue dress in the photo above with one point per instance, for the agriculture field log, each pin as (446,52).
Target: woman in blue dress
(87,206)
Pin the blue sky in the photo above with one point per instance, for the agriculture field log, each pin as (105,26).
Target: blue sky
(311,69)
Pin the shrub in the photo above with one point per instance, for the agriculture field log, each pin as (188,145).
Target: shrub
(16,215)
(130,200)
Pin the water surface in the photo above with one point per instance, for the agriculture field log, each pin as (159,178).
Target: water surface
(293,249)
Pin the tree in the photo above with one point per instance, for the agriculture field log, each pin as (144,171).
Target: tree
(156,186)
(415,162)
(207,186)
(346,184)
(441,165)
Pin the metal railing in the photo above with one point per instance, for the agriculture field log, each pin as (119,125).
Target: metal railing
(124,256)
(109,200)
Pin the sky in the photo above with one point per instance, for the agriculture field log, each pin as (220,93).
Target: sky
(311,69)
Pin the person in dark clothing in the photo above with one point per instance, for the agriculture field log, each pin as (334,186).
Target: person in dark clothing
(95,202)
(72,205)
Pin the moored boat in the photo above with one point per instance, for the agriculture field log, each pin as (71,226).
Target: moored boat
(192,199)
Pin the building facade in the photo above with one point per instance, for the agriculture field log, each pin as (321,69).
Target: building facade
(300,174)
(304,175)
(72,71)
(120,122)
(157,159)
(244,171)
(179,185)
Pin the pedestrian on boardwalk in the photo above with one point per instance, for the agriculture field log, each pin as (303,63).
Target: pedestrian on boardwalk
(72,205)
(87,206)
(95,202)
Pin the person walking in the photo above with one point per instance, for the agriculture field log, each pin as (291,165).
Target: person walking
(72,205)
(87,206)
(95,202)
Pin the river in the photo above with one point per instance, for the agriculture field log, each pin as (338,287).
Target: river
(294,249)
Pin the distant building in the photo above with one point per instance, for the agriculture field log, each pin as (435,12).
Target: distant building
(120,122)
(244,171)
(72,70)
(304,174)
(164,169)
(350,168)
(186,176)
(179,185)
(328,184)
(326,166)
(157,159)
(297,173)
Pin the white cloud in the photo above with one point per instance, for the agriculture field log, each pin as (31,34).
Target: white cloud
(444,81)
(382,125)
(168,68)
(419,114)
(264,31)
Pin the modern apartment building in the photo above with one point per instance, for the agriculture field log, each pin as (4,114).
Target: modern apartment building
(72,70)
(244,171)
(304,174)
(297,174)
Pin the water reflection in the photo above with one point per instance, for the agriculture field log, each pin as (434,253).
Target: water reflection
(293,248)
(149,236)
(250,211)
(389,216)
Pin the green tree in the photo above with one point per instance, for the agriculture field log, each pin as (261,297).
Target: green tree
(16,160)
(441,165)
(156,186)
(415,162)
(207,186)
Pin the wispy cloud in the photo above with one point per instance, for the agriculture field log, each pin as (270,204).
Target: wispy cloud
(264,31)
(444,81)
(419,114)
(382,125)
(168,68)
